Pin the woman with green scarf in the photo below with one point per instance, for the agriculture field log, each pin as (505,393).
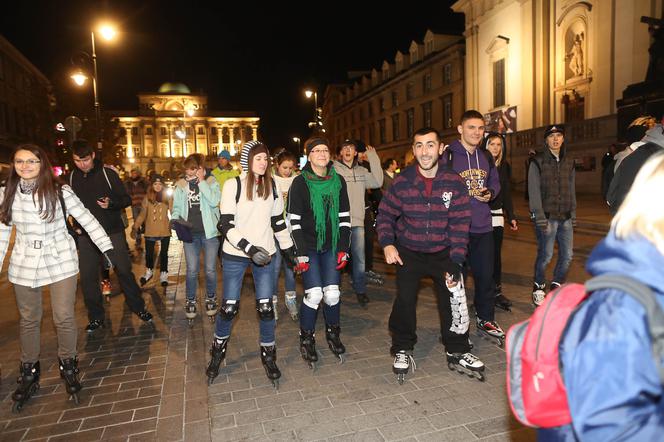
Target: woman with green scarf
(319,216)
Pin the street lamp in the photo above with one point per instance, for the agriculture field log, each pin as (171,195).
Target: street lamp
(108,32)
(297,140)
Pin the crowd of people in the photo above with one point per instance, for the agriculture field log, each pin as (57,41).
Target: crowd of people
(442,217)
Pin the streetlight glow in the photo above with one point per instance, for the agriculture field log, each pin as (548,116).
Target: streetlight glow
(107,31)
(296,139)
(79,77)
(308,93)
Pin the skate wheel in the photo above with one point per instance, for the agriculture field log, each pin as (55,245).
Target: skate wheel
(400,378)
(16,407)
(451,366)
(76,399)
(210,380)
(275,384)
(480,377)
(501,343)
(341,359)
(190,322)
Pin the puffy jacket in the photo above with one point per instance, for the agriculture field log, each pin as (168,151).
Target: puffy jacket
(613,387)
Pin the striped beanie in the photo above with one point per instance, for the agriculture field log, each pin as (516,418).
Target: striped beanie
(244,154)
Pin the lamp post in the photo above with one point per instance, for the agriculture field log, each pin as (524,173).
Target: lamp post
(297,140)
(309,93)
(108,33)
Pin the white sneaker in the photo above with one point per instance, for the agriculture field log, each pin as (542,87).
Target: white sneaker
(163,278)
(538,294)
(148,276)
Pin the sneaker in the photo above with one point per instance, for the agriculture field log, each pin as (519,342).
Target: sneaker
(538,294)
(554,285)
(148,276)
(145,316)
(94,324)
(291,305)
(163,278)
(106,288)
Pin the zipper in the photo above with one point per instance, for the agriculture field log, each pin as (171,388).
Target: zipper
(428,215)
(546,312)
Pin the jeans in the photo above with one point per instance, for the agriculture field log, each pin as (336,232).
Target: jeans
(320,281)
(88,263)
(233,272)
(480,259)
(163,252)
(289,276)
(497,255)
(403,319)
(192,253)
(357,259)
(562,233)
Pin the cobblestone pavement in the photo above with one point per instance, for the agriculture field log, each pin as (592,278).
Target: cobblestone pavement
(148,382)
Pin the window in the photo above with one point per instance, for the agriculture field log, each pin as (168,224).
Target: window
(370,130)
(499,83)
(134,131)
(189,131)
(381,102)
(395,127)
(410,122)
(395,98)
(426,83)
(409,90)
(148,130)
(362,114)
(381,128)
(447,73)
(448,118)
(213,131)
(162,131)
(370,109)
(426,114)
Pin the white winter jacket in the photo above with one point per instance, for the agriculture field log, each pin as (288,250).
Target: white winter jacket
(44,252)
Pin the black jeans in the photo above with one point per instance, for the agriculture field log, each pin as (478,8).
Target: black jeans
(403,319)
(497,258)
(89,256)
(480,259)
(163,253)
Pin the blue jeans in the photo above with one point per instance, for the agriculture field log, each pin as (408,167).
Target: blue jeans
(233,271)
(357,259)
(321,283)
(192,254)
(289,276)
(560,232)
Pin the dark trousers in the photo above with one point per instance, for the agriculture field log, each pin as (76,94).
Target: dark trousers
(403,319)
(368,239)
(89,256)
(480,259)
(497,258)
(163,252)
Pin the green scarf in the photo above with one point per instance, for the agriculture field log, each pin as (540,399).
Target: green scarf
(324,197)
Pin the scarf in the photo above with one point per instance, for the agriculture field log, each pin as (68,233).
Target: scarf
(324,197)
(27,187)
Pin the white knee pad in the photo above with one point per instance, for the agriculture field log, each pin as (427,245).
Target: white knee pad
(312,297)
(331,295)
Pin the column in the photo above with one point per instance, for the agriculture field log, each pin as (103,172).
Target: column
(231,134)
(254,132)
(130,148)
(220,137)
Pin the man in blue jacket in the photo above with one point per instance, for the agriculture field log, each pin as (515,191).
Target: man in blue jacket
(479,173)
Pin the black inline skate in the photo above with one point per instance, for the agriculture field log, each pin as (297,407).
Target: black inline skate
(218,353)
(69,372)
(403,363)
(269,360)
(501,301)
(28,384)
(466,363)
(334,342)
(308,347)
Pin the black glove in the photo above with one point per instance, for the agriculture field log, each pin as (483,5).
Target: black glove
(455,271)
(180,221)
(290,257)
(259,256)
(110,257)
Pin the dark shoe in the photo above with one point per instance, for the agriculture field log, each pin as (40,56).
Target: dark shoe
(554,286)
(502,302)
(94,325)
(362,299)
(145,316)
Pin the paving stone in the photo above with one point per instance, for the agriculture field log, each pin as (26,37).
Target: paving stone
(170,428)
(455,434)
(107,420)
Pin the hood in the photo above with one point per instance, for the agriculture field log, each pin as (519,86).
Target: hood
(654,135)
(636,257)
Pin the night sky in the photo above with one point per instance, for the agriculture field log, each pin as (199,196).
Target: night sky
(252,57)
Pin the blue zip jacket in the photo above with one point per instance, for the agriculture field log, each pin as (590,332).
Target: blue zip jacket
(613,387)
(210,198)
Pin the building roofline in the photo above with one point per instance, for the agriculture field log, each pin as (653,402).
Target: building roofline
(23,60)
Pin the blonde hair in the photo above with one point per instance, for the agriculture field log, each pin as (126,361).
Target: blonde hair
(638,214)
(645,120)
(499,158)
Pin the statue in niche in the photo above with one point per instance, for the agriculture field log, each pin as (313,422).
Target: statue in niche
(575,56)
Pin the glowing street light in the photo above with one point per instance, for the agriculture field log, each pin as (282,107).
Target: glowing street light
(107,31)
(79,77)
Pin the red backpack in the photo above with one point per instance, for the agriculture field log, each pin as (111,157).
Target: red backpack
(535,387)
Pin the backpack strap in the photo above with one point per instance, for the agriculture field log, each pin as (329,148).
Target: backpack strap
(237,190)
(103,168)
(646,297)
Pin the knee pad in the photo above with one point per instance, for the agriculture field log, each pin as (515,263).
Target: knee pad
(331,295)
(265,309)
(313,297)
(229,308)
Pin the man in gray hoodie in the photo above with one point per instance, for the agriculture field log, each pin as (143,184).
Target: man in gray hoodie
(358,180)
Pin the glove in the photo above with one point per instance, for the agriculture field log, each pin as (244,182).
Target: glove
(542,223)
(290,257)
(259,256)
(342,260)
(454,273)
(180,221)
(109,255)
(302,264)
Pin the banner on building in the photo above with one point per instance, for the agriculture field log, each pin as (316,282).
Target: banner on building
(502,121)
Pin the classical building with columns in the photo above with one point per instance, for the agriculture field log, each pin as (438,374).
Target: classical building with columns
(173,123)
(529,63)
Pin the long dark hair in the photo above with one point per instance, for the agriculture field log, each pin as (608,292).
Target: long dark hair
(46,189)
(264,189)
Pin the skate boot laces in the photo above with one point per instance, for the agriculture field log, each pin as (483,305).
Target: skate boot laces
(403,360)
(470,360)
